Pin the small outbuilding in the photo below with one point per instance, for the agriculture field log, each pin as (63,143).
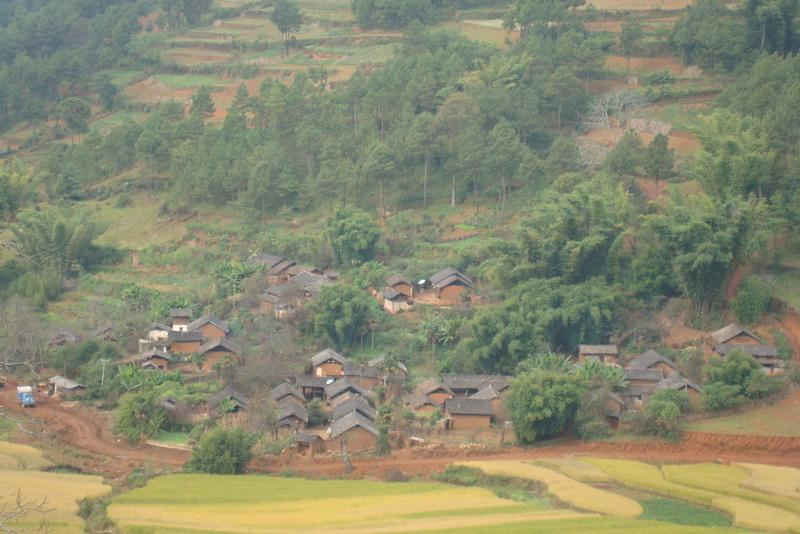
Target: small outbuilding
(211,327)
(734,334)
(228,394)
(292,414)
(286,391)
(58,385)
(395,302)
(216,350)
(354,404)
(401,285)
(468,414)
(605,354)
(309,444)
(448,284)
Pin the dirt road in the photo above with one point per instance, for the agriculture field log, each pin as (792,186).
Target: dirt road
(80,436)
(693,447)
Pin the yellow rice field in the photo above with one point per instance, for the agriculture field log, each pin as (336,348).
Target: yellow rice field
(60,493)
(576,468)
(15,456)
(573,492)
(780,481)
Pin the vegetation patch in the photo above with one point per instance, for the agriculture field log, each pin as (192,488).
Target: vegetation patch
(681,513)
(15,456)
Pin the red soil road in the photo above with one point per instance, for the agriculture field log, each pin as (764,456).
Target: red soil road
(694,447)
(81,436)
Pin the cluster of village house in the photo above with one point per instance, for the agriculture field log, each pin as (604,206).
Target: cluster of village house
(292,285)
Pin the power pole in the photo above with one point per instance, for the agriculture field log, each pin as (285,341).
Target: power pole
(103,375)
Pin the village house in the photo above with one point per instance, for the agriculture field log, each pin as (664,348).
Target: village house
(467,385)
(60,386)
(767,356)
(354,404)
(365,376)
(496,397)
(343,389)
(653,360)
(286,391)
(180,319)
(328,363)
(218,349)
(448,285)
(395,302)
(155,359)
(313,387)
(309,444)
(605,354)
(679,383)
(644,377)
(183,342)
(211,327)
(401,285)
(292,415)
(468,414)
(236,401)
(358,431)
(428,396)
(278,273)
(285,297)
(734,334)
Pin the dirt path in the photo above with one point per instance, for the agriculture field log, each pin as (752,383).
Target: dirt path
(80,436)
(694,447)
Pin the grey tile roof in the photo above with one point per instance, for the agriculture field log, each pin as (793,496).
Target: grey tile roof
(267,260)
(325,355)
(180,313)
(311,381)
(341,386)
(726,333)
(360,371)
(430,385)
(448,276)
(66,383)
(228,393)
(290,408)
(468,406)
(223,343)
(462,382)
(598,350)
(757,351)
(650,375)
(678,382)
(358,404)
(392,294)
(285,390)
(306,438)
(487,392)
(648,359)
(396,279)
(351,421)
(202,321)
(181,336)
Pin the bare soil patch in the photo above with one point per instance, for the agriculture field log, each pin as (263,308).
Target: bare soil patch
(646,64)
(639,5)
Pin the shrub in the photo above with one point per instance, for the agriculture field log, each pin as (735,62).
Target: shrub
(663,415)
(542,402)
(222,452)
(460,475)
(752,301)
(721,396)
(762,386)
(316,413)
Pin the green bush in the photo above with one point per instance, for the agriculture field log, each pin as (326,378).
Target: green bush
(222,452)
(721,396)
(541,403)
(460,475)
(752,301)
(762,386)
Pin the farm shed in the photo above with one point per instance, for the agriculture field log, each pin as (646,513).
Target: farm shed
(354,404)
(58,385)
(309,444)
(401,285)
(357,430)
(606,354)
(211,327)
(468,414)
(734,334)
(215,351)
(237,400)
(180,319)
(653,360)
(767,356)
(286,391)
(395,302)
(278,272)
(183,342)
(448,284)
(328,363)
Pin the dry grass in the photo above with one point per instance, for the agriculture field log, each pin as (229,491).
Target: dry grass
(15,456)
(61,491)
(571,491)
(781,481)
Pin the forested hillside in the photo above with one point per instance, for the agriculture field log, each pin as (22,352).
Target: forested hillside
(150,149)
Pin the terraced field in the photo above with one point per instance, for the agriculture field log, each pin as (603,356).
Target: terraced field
(57,493)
